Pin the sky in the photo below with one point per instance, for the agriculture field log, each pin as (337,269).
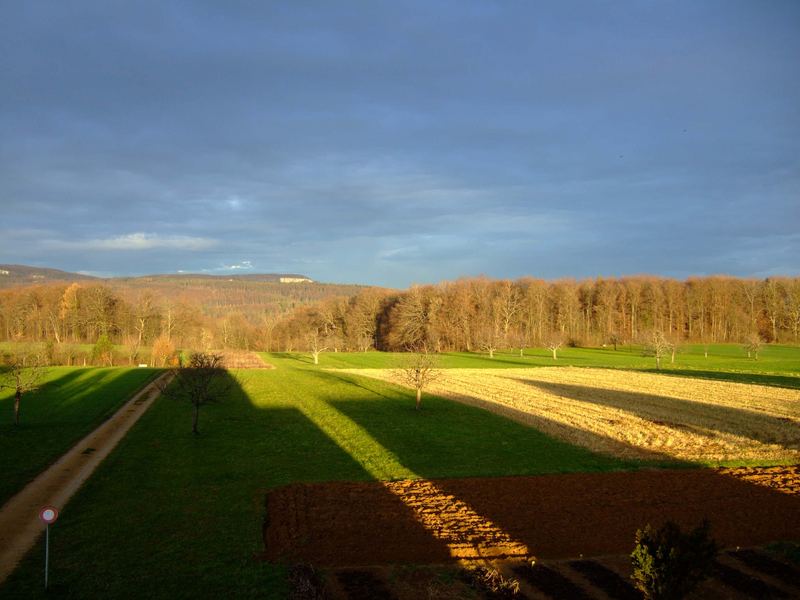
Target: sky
(392,143)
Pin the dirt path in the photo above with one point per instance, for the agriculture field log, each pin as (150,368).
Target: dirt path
(19,517)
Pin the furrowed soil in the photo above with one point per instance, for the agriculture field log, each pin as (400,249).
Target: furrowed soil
(233,359)
(632,414)
(548,516)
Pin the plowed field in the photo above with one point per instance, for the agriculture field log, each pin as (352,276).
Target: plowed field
(547,516)
(633,414)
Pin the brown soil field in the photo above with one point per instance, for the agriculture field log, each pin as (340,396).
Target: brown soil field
(547,516)
(633,414)
(241,359)
(741,575)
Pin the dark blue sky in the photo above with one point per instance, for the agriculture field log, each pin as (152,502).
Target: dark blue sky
(399,142)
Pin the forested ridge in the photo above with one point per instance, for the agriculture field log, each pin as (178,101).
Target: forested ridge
(485,314)
(466,314)
(137,313)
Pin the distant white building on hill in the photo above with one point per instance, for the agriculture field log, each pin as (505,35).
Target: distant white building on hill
(296,280)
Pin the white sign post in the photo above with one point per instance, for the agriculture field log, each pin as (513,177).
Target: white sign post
(48,515)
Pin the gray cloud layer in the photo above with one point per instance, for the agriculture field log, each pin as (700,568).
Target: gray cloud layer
(389,143)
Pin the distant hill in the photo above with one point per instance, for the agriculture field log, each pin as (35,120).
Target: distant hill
(199,277)
(20,275)
(17,275)
(216,296)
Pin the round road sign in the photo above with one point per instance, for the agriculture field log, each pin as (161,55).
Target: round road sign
(48,514)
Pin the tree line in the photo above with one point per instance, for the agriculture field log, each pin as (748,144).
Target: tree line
(486,315)
(140,321)
(473,314)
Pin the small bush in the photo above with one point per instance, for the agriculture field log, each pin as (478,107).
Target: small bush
(668,564)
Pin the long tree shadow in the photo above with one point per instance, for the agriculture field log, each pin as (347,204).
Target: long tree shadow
(592,514)
(324,503)
(784,381)
(758,426)
(570,514)
(487,362)
(443,426)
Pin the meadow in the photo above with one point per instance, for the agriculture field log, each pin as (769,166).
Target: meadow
(170,512)
(776,365)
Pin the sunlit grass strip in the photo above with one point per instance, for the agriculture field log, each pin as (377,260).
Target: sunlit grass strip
(440,513)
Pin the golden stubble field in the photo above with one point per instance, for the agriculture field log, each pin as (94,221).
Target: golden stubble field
(633,414)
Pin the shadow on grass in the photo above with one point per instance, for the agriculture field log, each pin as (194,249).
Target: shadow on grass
(568,514)
(484,358)
(295,356)
(444,423)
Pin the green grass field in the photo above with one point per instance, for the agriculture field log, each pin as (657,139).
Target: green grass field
(172,515)
(168,512)
(70,403)
(776,365)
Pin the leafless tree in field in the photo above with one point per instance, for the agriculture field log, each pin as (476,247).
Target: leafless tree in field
(420,371)
(553,342)
(489,338)
(202,381)
(753,346)
(519,338)
(315,344)
(657,345)
(673,344)
(20,378)
(615,339)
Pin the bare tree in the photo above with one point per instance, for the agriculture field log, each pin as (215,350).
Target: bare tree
(20,378)
(506,304)
(420,371)
(163,350)
(553,342)
(519,338)
(657,345)
(130,344)
(673,344)
(753,346)
(202,381)
(489,338)
(315,344)
(615,339)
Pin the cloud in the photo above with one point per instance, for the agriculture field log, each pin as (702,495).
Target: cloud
(136,242)
(245,265)
(376,146)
